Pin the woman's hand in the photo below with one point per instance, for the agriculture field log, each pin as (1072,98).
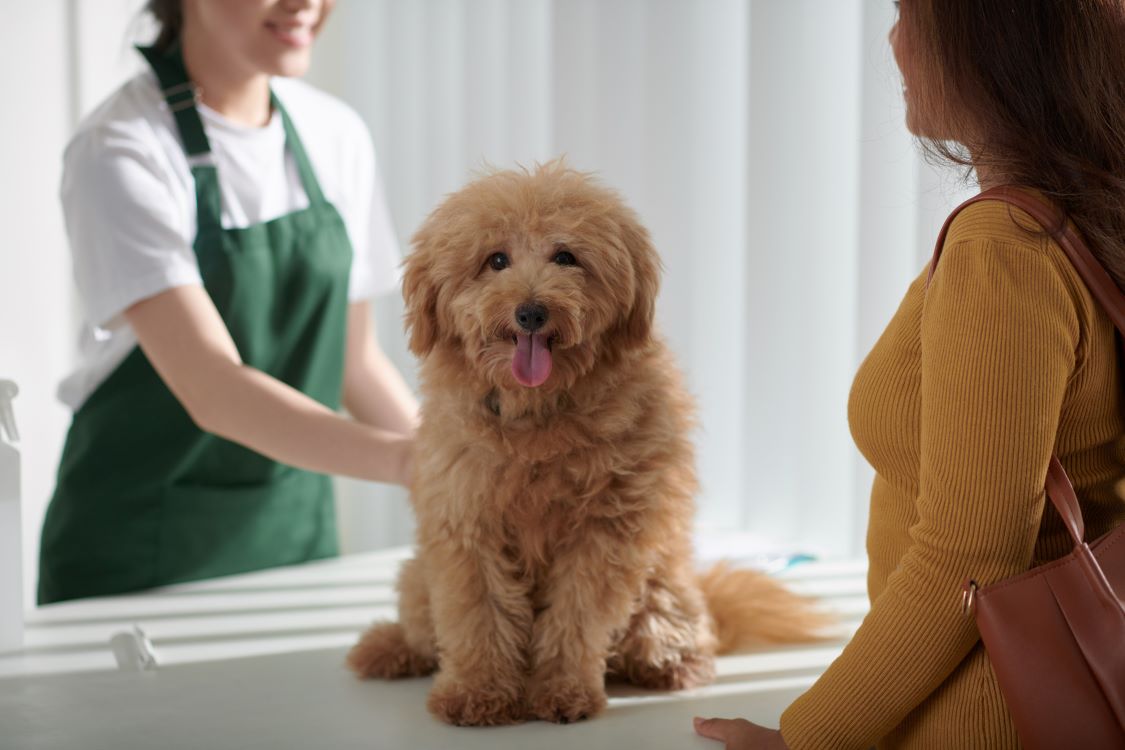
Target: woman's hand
(188,344)
(739,734)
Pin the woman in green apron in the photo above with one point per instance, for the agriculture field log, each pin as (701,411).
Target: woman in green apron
(235,328)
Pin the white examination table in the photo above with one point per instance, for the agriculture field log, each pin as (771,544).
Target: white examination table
(256,661)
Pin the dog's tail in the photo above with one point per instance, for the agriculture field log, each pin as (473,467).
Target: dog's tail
(751,609)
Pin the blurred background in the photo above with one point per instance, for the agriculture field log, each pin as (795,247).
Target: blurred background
(761,141)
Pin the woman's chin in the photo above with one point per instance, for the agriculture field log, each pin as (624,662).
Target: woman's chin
(288,64)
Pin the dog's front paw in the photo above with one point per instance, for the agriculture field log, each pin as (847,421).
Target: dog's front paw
(383,652)
(475,705)
(563,700)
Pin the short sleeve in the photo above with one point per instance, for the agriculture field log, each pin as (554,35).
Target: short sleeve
(125,225)
(375,253)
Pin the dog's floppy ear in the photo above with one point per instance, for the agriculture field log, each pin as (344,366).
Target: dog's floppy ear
(637,327)
(420,293)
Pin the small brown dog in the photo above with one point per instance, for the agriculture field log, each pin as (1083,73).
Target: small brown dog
(554,477)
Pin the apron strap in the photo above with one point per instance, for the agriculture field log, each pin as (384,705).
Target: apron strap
(182,96)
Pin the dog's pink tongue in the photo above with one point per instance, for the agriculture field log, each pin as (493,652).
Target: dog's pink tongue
(531,364)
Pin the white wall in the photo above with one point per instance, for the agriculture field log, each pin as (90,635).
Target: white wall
(35,301)
(59,59)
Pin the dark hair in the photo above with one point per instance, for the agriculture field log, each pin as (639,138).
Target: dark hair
(1034,90)
(170,15)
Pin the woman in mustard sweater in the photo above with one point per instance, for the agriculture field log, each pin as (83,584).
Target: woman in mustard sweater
(1002,359)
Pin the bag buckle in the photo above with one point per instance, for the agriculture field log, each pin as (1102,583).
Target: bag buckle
(968,596)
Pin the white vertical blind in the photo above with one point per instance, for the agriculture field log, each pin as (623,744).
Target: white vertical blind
(805,98)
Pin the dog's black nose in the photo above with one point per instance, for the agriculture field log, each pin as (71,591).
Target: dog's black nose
(531,316)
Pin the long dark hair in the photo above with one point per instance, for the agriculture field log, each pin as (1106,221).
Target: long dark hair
(1034,90)
(170,15)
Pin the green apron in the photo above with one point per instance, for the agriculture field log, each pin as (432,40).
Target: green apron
(143,496)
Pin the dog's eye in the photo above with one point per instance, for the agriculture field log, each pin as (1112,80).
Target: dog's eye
(565,258)
(498,261)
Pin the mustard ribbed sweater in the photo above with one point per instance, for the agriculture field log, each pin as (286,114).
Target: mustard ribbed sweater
(1003,359)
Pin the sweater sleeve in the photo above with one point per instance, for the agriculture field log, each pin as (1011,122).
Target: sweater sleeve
(999,338)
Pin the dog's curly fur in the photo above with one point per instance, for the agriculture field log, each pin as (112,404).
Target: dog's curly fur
(553,522)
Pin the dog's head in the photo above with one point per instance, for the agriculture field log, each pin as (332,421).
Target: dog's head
(532,277)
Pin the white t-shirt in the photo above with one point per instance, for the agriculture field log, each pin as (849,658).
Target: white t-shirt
(129,202)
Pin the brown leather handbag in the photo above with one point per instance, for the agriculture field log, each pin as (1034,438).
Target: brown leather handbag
(1055,635)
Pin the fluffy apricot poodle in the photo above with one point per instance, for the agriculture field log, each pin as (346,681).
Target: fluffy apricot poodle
(555,478)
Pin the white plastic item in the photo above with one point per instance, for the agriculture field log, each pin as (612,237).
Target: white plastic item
(11,548)
(133,650)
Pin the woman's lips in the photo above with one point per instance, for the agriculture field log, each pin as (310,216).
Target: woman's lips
(291,36)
